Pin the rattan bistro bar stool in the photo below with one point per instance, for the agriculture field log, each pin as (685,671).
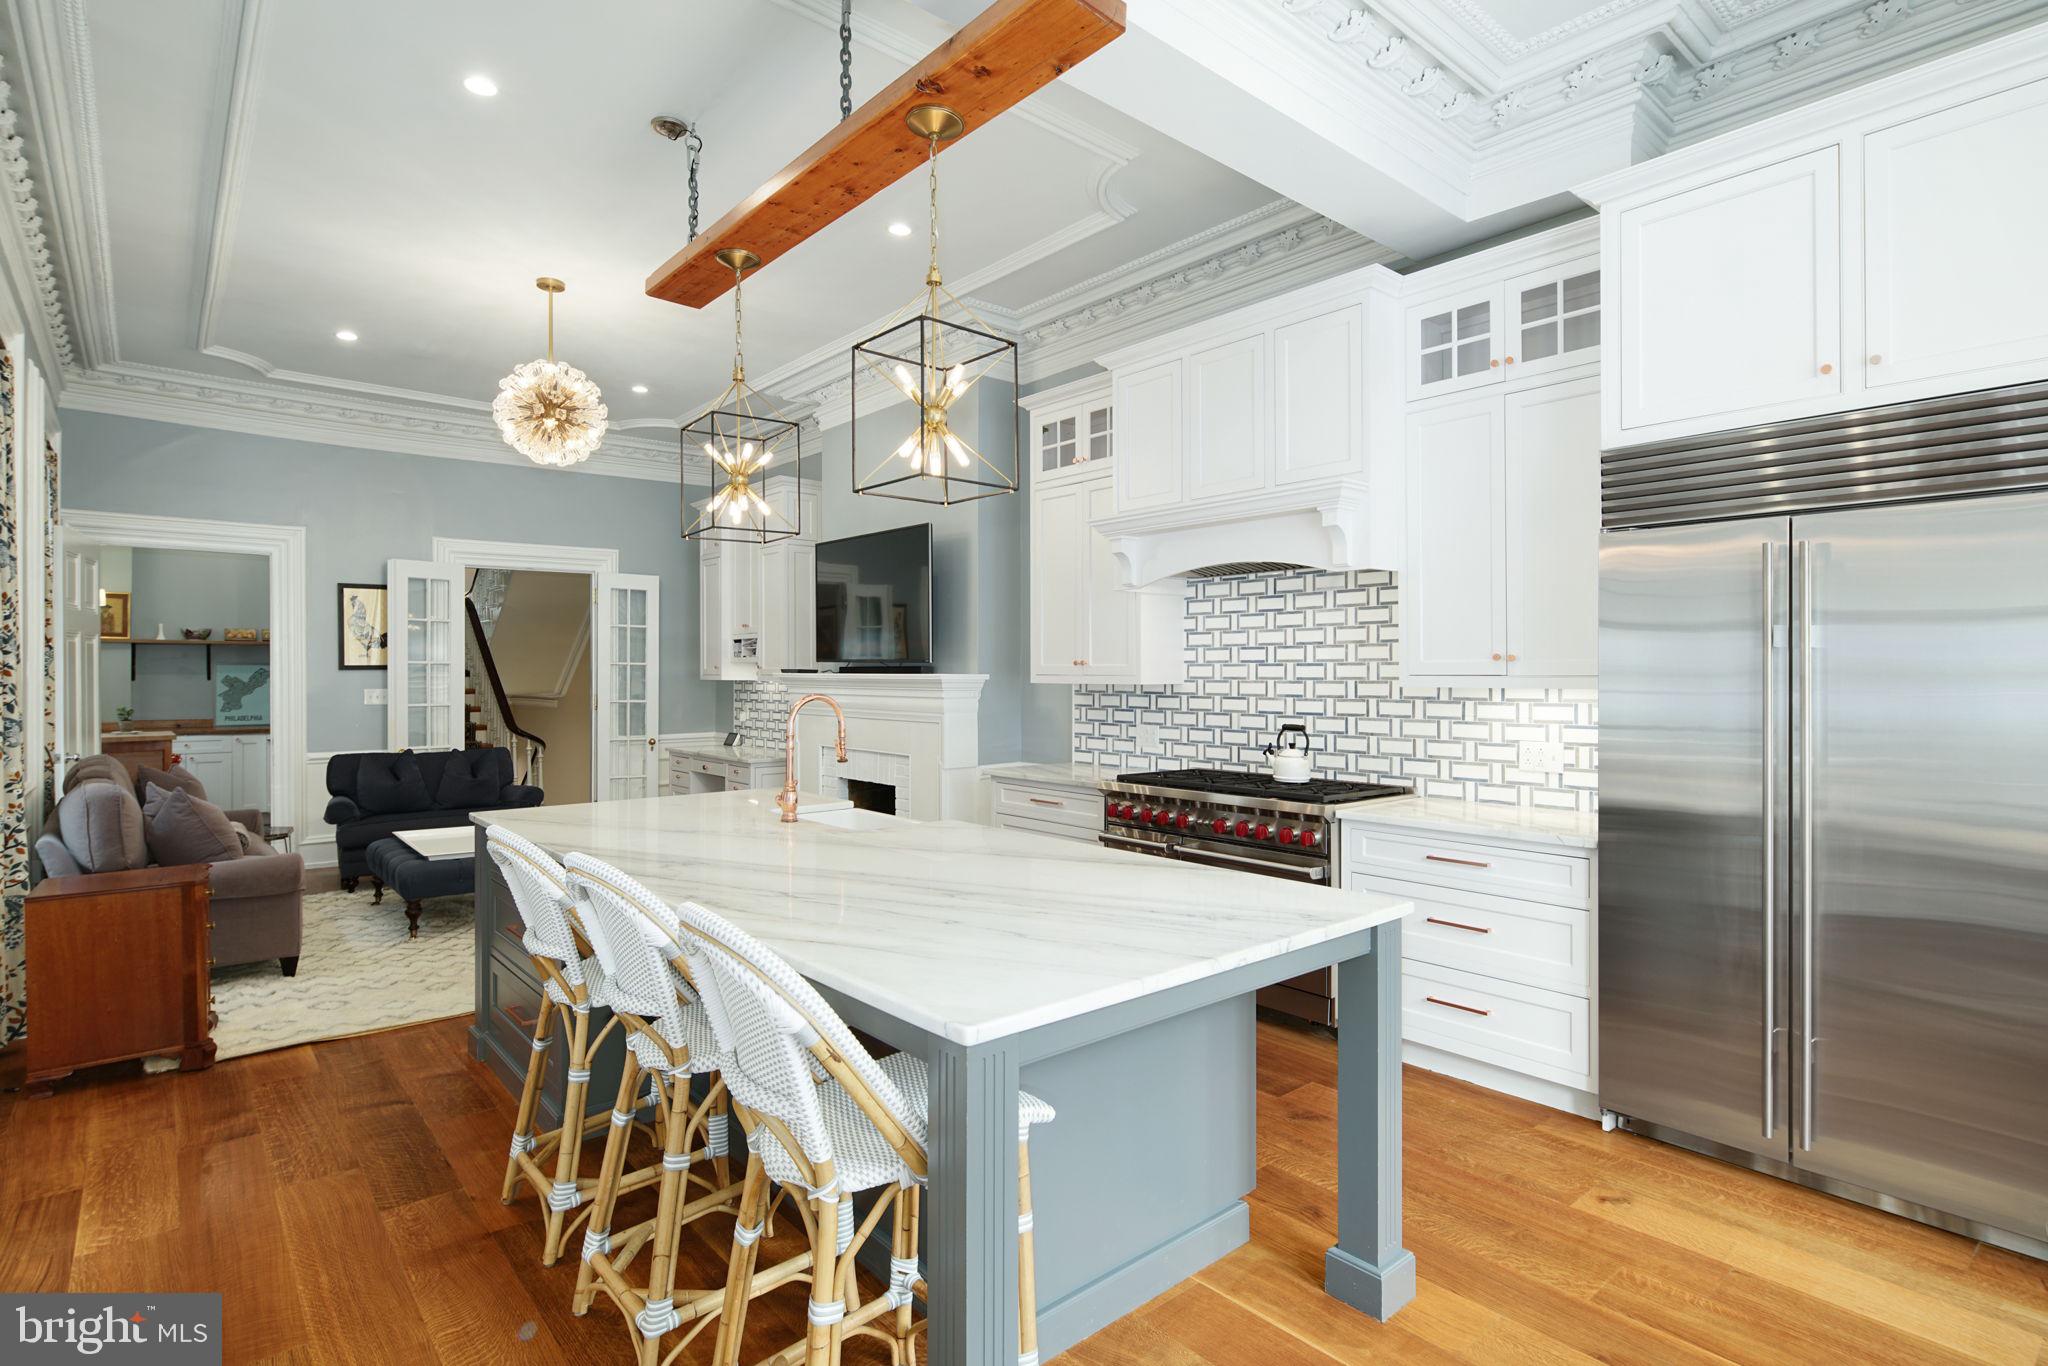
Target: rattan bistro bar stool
(827,1120)
(668,1041)
(572,982)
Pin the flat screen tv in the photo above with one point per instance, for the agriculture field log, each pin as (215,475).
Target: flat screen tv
(875,599)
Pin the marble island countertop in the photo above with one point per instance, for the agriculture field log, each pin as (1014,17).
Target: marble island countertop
(968,931)
(1478,820)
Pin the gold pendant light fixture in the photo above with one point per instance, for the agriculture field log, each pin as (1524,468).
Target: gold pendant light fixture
(549,412)
(935,361)
(741,437)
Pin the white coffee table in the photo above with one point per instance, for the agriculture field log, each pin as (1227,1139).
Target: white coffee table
(454,841)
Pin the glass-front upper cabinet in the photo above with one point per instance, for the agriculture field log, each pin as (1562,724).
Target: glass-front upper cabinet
(1557,318)
(1454,343)
(1071,430)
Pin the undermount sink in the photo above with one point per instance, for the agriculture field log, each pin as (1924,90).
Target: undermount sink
(848,818)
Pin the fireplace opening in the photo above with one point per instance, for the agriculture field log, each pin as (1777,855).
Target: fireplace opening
(867,796)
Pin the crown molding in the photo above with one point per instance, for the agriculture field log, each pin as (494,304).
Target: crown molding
(28,255)
(161,394)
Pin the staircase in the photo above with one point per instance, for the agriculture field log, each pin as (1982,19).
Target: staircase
(487,719)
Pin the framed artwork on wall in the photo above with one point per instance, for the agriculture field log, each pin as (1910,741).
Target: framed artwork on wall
(364,625)
(114,623)
(241,695)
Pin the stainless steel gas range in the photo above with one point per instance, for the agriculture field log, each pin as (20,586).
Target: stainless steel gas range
(1246,821)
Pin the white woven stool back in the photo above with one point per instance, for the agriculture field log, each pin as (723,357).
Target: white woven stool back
(540,890)
(635,957)
(766,1017)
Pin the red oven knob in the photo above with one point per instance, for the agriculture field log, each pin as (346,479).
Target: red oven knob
(1287,834)
(1264,832)
(1244,830)
(1183,820)
(1220,825)
(1109,810)
(1145,816)
(1310,839)
(1125,813)
(1162,816)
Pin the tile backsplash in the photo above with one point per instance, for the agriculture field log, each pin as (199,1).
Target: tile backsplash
(1319,648)
(760,712)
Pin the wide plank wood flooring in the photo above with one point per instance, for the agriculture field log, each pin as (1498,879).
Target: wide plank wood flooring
(343,1198)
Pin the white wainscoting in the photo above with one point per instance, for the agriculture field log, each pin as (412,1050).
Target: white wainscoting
(313,837)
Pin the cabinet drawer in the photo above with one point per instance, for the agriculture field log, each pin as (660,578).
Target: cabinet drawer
(1526,1029)
(513,1007)
(1044,827)
(1556,878)
(1076,810)
(1531,943)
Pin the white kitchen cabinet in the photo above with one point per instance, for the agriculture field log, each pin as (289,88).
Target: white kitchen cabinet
(1085,625)
(252,772)
(1552,520)
(729,601)
(1319,396)
(1454,340)
(1072,425)
(1453,597)
(755,601)
(1952,257)
(1870,248)
(789,594)
(1555,319)
(1497,960)
(1148,464)
(1502,585)
(1063,810)
(1228,437)
(695,771)
(1729,310)
(211,759)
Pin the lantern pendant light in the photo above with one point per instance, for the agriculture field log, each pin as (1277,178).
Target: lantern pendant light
(550,412)
(740,437)
(934,361)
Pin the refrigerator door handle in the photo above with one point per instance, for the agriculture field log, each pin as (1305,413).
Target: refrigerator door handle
(1803,570)
(1770,860)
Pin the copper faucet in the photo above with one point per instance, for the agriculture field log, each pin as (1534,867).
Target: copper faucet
(786,799)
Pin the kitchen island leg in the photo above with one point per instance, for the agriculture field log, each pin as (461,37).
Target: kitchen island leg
(970,1207)
(1368,1268)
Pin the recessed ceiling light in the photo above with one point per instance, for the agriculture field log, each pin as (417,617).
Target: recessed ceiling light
(639,388)
(345,335)
(480,85)
(899,229)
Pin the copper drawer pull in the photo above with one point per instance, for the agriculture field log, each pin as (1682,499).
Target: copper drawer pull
(1461,862)
(1045,801)
(1469,1010)
(1476,929)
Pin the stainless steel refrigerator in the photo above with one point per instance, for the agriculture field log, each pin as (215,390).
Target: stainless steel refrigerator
(1823,924)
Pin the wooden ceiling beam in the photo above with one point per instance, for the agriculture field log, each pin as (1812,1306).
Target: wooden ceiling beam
(1010,50)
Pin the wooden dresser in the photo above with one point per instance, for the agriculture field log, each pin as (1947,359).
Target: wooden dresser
(134,748)
(118,969)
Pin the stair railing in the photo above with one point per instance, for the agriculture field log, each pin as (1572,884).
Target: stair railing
(499,724)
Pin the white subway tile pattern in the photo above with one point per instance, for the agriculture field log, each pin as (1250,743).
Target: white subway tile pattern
(1318,648)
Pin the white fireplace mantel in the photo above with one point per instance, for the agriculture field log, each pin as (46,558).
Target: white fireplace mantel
(931,720)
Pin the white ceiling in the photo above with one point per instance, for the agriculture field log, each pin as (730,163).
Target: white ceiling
(269,172)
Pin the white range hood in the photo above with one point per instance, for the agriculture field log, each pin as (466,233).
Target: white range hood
(1323,526)
(1270,435)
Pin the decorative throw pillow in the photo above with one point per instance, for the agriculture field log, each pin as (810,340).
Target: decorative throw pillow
(184,829)
(469,779)
(176,776)
(101,825)
(390,784)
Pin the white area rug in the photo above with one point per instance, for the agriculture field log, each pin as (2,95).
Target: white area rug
(357,973)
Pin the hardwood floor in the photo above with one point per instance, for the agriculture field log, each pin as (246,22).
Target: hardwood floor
(343,1198)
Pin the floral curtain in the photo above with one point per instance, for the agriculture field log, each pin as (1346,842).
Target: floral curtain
(14,832)
(51,740)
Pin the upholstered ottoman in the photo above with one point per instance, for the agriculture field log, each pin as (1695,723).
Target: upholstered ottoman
(415,876)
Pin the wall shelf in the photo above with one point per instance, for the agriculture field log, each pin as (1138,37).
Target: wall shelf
(208,645)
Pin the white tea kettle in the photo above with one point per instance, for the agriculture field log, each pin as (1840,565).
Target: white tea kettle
(1288,754)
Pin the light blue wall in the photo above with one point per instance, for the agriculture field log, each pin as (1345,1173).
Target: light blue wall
(361,508)
(175,589)
(980,570)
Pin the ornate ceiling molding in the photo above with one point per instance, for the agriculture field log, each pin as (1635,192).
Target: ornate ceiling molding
(1695,65)
(25,223)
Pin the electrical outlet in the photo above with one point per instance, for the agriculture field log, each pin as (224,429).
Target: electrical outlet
(1148,738)
(374,697)
(1540,756)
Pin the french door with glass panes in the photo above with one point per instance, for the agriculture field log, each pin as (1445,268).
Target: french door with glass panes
(424,660)
(627,656)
